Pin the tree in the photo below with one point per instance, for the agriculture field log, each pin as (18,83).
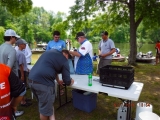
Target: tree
(17,7)
(121,11)
(1,35)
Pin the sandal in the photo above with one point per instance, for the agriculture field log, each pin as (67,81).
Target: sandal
(26,104)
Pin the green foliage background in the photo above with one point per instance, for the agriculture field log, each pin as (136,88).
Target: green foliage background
(36,24)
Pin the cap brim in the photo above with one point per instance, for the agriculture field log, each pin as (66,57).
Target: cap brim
(17,36)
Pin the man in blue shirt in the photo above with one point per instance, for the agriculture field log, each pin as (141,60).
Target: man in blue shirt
(56,43)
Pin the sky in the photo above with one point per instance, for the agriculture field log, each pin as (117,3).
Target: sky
(54,5)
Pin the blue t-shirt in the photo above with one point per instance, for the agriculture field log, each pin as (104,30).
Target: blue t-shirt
(59,45)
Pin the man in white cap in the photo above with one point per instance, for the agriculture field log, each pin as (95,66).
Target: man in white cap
(83,56)
(7,52)
(8,56)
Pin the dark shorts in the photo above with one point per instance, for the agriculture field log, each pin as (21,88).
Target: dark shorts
(102,63)
(45,96)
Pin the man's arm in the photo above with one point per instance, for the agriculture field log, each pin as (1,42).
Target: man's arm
(75,53)
(109,53)
(66,74)
(64,45)
(21,71)
(60,82)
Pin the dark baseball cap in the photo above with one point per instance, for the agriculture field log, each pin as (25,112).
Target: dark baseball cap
(20,41)
(79,34)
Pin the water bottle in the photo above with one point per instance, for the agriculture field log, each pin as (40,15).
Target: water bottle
(90,79)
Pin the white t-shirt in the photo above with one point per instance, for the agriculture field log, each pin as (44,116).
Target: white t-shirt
(86,47)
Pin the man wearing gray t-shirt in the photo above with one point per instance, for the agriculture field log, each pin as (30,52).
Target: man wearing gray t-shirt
(8,57)
(106,49)
(7,52)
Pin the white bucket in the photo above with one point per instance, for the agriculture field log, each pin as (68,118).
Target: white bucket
(143,106)
(146,115)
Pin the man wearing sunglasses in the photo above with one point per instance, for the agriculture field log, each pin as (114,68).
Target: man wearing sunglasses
(83,56)
(56,43)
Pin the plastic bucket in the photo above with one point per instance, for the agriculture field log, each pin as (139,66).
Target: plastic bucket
(143,106)
(146,115)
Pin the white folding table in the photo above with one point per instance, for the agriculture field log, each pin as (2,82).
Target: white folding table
(132,94)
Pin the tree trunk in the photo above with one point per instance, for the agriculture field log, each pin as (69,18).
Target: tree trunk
(133,44)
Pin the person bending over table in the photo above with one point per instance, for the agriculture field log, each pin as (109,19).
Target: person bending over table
(83,56)
(41,80)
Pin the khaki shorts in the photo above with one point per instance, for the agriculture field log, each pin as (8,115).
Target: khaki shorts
(45,96)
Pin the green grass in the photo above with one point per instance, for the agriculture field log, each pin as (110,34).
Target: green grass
(106,110)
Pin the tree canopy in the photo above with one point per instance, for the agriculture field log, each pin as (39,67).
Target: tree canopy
(115,13)
(34,26)
(17,7)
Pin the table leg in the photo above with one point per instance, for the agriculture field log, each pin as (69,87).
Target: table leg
(59,96)
(129,109)
(128,105)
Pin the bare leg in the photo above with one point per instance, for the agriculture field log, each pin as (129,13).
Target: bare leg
(15,102)
(42,117)
(23,100)
(52,117)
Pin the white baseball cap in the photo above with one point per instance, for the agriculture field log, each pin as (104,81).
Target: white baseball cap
(10,32)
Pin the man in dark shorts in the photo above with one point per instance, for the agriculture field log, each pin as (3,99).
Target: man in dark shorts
(106,49)
(42,80)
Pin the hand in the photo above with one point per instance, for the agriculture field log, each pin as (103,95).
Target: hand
(72,82)
(68,41)
(102,55)
(70,52)
(60,82)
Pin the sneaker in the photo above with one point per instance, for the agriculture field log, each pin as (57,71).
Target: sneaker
(19,113)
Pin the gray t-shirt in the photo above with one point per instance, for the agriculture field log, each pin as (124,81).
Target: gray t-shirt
(105,47)
(21,59)
(8,56)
